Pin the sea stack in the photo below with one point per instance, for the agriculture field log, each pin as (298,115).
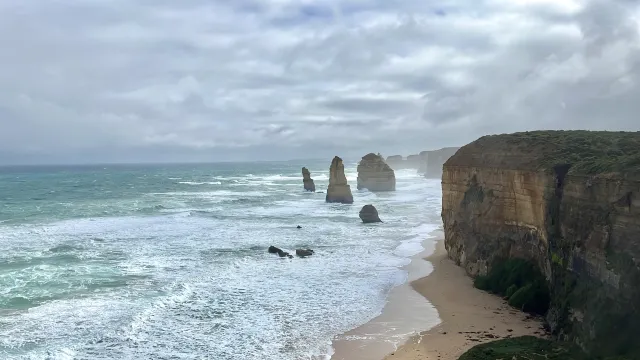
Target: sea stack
(375,175)
(307,180)
(369,214)
(338,191)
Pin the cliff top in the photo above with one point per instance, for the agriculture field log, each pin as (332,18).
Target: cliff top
(588,152)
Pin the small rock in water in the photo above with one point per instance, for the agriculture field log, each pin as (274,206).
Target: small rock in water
(304,252)
(369,214)
(280,252)
(299,227)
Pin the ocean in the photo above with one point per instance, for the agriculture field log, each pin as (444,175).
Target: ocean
(171,262)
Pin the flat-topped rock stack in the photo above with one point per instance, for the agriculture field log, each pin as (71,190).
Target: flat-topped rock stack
(375,175)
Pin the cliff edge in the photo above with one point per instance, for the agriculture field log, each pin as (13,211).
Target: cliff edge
(375,175)
(569,201)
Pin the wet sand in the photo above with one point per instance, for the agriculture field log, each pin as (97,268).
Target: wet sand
(467,317)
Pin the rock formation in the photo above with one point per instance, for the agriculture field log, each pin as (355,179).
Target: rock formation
(307,181)
(338,191)
(431,161)
(568,201)
(274,250)
(375,175)
(396,162)
(304,252)
(412,162)
(369,214)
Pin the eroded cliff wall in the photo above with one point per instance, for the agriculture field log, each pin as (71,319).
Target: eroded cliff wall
(569,202)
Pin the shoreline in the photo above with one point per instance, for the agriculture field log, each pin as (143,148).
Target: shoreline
(464,316)
(405,314)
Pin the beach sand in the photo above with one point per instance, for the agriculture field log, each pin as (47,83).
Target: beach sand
(468,317)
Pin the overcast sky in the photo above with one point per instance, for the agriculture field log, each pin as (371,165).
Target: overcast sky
(211,80)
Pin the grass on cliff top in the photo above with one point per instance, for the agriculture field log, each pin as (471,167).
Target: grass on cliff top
(589,152)
(523,348)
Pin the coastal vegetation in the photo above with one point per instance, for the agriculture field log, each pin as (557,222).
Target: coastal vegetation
(588,152)
(524,348)
(520,282)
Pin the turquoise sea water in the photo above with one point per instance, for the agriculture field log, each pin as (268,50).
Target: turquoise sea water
(170,261)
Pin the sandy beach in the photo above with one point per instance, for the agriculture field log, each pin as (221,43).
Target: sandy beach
(468,317)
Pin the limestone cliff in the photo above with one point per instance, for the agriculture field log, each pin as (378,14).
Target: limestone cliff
(431,161)
(375,175)
(338,191)
(570,202)
(307,181)
(396,162)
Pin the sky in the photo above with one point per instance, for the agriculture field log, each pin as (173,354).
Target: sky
(94,81)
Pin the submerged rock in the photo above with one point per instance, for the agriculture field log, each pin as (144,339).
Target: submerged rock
(307,181)
(375,175)
(338,191)
(369,214)
(274,250)
(304,252)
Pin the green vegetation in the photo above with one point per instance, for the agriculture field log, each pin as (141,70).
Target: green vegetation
(588,152)
(520,282)
(523,348)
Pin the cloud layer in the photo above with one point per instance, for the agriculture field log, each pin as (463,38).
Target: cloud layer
(196,80)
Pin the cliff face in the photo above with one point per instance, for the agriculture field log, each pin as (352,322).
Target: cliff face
(307,181)
(431,161)
(568,201)
(338,191)
(374,174)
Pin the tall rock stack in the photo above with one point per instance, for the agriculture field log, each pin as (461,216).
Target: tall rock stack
(375,175)
(338,191)
(307,181)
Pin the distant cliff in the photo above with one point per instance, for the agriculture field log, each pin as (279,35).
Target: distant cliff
(569,201)
(429,163)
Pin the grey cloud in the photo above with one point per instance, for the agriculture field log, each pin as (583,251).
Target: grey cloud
(122,80)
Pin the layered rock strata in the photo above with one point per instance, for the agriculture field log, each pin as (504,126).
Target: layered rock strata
(338,191)
(569,201)
(375,175)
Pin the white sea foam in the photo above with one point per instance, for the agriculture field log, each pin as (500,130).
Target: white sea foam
(200,183)
(194,279)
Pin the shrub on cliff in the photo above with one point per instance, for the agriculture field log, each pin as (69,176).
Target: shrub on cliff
(520,282)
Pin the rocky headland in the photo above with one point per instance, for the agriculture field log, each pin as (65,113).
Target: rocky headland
(307,181)
(431,162)
(339,190)
(375,175)
(566,202)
